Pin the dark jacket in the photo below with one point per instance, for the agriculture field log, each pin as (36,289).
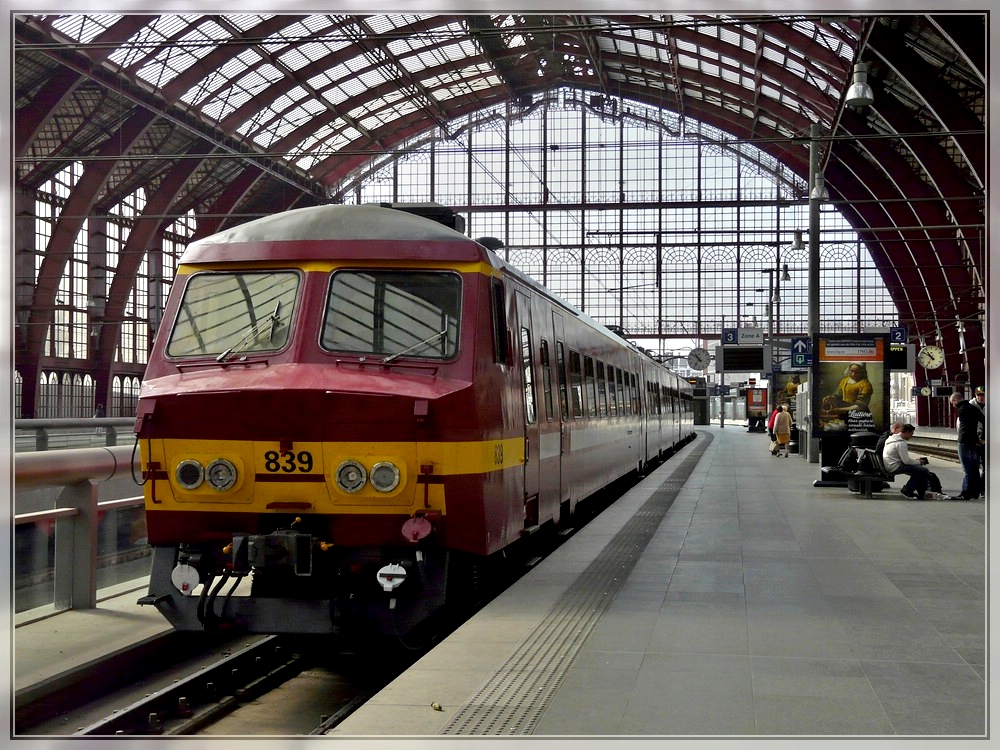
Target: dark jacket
(969,417)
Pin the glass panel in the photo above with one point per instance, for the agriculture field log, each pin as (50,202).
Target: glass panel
(34,558)
(229,313)
(394,313)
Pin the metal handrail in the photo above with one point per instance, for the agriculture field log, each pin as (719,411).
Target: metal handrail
(42,428)
(80,473)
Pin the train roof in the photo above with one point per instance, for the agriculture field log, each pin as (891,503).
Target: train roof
(304,234)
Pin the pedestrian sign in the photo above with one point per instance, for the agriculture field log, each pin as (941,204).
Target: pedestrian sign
(801,353)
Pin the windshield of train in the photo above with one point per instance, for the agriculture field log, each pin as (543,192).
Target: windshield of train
(393,314)
(226,314)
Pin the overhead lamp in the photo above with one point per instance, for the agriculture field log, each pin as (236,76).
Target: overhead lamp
(784,273)
(819,191)
(860,92)
(796,242)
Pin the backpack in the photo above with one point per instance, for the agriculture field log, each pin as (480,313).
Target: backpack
(933,482)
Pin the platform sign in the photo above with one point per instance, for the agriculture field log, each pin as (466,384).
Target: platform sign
(897,335)
(801,353)
(729,336)
(851,379)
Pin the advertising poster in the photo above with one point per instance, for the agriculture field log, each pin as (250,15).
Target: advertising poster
(786,385)
(851,385)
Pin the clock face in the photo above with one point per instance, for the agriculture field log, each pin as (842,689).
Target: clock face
(925,391)
(930,357)
(699,359)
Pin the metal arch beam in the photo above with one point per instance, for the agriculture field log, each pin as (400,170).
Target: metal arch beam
(219,56)
(926,305)
(49,98)
(60,247)
(971,46)
(777,145)
(809,49)
(145,230)
(950,182)
(930,207)
(903,204)
(300,77)
(902,279)
(236,192)
(946,105)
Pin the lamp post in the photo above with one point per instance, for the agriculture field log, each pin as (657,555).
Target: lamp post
(774,278)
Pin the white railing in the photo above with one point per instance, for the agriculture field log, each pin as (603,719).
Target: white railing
(78,510)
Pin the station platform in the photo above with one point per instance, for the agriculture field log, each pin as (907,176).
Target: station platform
(723,596)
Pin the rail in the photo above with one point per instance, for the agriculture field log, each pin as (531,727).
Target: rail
(75,520)
(70,432)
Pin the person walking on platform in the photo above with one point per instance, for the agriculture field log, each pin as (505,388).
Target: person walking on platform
(770,429)
(896,458)
(783,430)
(968,422)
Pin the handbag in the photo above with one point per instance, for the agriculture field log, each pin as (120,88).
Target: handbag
(774,447)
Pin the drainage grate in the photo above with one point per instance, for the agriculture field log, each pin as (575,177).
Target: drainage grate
(513,699)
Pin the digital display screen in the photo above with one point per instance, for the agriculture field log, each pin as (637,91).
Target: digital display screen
(742,359)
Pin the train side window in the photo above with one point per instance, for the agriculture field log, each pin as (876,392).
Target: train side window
(612,392)
(499,321)
(561,367)
(591,385)
(621,376)
(602,390)
(636,394)
(576,383)
(546,379)
(527,367)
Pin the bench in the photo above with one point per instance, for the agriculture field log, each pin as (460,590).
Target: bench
(871,475)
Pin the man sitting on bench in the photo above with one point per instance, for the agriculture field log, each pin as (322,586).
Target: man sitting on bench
(896,458)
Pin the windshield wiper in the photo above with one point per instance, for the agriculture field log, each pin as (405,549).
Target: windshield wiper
(427,340)
(255,332)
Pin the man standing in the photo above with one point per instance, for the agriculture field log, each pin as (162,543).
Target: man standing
(979,401)
(896,458)
(969,419)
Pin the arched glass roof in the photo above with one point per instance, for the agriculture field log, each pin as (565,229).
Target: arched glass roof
(229,115)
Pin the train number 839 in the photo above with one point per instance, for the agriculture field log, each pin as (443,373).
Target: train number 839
(288,461)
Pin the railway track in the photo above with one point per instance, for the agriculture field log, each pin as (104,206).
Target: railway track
(936,447)
(250,685)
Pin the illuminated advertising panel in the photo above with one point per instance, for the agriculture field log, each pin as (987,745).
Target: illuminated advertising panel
(851,384)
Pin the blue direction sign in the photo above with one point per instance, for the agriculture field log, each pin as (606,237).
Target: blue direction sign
(801,353)
(720,390)
(897,335)
(729,336)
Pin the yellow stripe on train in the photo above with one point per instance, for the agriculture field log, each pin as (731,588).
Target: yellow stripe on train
(312,476)
(322,266)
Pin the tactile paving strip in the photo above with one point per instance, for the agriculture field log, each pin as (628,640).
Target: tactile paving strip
(515,696)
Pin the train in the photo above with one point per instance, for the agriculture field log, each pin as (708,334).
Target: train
(349,410)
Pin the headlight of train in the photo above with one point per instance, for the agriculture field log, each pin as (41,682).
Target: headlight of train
(351,476)
(385,476)
(221,474)
(190,474)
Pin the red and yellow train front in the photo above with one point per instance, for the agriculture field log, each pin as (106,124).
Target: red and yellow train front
(321,435)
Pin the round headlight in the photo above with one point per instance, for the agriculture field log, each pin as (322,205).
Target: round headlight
(351,476)
(385,476)
(190,474)
(221,474)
